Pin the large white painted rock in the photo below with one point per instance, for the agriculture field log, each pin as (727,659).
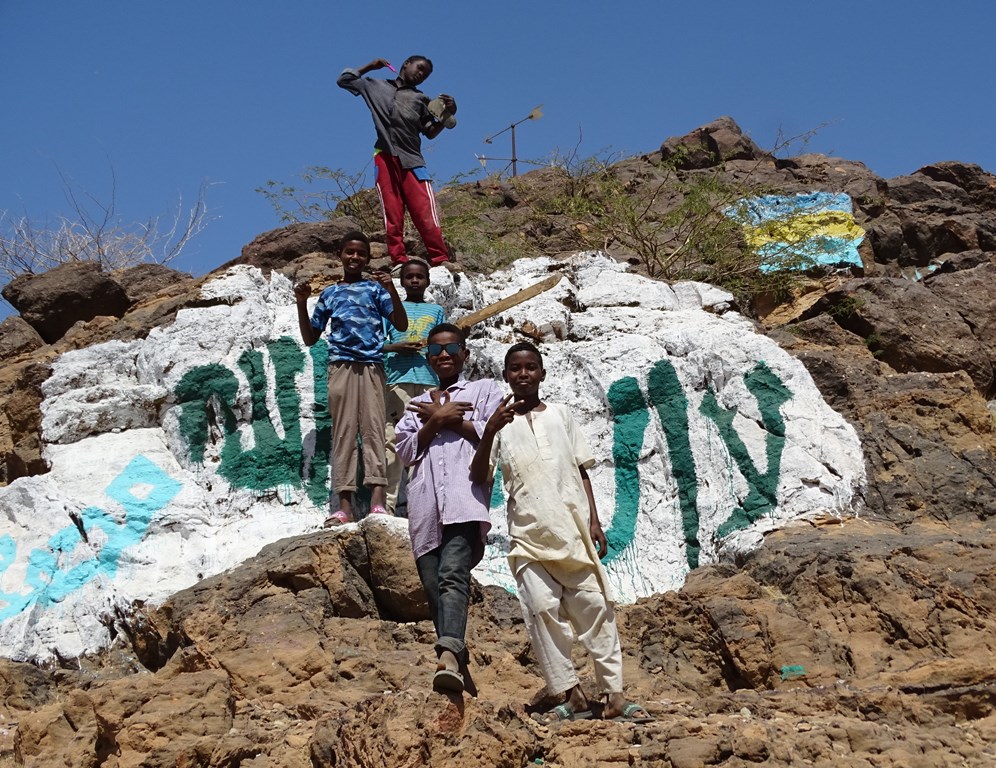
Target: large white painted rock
(178,456)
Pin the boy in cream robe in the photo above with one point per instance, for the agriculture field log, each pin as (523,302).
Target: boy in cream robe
(557,539)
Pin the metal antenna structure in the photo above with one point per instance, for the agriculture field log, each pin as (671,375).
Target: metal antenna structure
(536,114)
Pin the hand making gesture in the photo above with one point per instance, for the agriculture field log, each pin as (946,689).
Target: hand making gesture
(383,277)
(503,415)
(441,410)
(302,292)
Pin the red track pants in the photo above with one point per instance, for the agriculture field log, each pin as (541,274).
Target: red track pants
(399,188)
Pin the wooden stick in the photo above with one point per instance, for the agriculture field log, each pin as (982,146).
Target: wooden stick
(508,302)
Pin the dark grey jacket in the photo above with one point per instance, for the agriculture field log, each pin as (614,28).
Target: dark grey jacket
(398,111)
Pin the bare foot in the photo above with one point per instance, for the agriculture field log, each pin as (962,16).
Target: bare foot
(448,679)
(577,700)
(346,504)
(574,707)
(448,660)
(378,496)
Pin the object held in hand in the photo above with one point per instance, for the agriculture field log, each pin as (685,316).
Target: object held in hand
(440,113)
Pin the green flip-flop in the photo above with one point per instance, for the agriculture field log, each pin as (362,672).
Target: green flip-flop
(561,713)
(633,713)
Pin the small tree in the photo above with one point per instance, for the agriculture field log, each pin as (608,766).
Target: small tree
(94,231)
(326,194)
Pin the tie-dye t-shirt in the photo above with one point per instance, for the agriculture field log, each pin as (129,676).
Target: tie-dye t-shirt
(355,314)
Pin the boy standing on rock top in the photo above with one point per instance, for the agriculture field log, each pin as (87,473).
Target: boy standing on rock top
(401,115)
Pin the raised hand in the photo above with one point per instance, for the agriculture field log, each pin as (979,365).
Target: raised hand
(302,291)
(504,414)
(383,277)
(449,101)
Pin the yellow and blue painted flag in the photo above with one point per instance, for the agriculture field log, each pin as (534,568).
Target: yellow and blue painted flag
(800,231)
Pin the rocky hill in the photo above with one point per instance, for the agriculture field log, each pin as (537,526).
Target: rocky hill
(799,487)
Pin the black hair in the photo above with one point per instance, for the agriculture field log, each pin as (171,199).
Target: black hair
(414,263)
(523,346)
(416,57)
(448,328)
(350,236)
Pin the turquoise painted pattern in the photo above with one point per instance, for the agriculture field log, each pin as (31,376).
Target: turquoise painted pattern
(52,573)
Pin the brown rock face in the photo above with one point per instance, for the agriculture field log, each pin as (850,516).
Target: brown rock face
(54,301)
(909,327)
(922,459)
(20,419)
(848,641)
(972,292)
(17,337)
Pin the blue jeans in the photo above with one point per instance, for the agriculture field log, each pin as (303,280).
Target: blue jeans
(445,575)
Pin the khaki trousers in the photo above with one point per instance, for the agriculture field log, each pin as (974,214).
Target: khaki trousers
(553,614)
(356,402)
(397,399)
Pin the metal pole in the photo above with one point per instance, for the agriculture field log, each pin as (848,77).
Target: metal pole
(513,150)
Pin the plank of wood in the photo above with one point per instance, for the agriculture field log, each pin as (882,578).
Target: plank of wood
(509,301)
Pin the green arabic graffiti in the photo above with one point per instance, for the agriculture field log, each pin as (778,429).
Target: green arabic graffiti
(273,461)
(761,498)
(208,393)
(664,392)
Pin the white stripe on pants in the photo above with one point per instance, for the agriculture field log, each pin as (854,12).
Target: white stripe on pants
(553,614)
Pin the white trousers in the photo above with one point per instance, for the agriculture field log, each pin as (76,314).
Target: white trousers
(554,614)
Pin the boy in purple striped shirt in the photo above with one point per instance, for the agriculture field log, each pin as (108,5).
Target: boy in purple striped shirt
(448,516)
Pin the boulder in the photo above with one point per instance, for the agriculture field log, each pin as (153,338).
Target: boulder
(54,301)
(710,145)
(968,176)
(940,209)
(18,337)
(278,247)
(145,280)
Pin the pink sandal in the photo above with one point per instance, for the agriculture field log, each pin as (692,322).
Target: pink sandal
(337,518)
(377,509)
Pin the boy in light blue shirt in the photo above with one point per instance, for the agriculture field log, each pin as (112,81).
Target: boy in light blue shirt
(408,373)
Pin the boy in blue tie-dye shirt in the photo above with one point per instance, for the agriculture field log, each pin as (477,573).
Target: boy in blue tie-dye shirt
(354,311)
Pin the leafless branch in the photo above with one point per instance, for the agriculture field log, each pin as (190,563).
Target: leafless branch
(93,231)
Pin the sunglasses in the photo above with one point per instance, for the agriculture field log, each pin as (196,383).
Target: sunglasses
(452,348)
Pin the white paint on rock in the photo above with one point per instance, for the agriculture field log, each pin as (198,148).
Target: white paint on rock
(157,521)
(623,332)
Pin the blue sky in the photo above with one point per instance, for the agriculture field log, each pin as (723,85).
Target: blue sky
(173,95)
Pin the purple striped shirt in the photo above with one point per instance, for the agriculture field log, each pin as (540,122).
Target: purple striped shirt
(439,488)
